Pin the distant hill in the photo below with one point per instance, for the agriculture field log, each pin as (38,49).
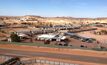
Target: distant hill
(38,20)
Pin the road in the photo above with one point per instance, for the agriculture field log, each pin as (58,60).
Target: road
(55,55)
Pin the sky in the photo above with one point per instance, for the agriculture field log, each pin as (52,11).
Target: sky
(53,8)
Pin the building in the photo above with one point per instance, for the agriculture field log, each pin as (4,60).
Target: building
(82,38)
(22,35)
(51,37)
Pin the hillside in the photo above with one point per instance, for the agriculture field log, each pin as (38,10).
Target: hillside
(38,20)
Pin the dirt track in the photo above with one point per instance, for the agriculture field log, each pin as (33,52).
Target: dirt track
(56,50)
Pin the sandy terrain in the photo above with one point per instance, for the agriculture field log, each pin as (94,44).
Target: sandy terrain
(2,34)
(101,38)
(78,43)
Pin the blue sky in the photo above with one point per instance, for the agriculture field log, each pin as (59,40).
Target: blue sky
(73,8)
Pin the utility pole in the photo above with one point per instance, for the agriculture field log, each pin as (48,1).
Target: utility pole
(31,36)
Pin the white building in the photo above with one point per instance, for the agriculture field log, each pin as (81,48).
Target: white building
(51,37)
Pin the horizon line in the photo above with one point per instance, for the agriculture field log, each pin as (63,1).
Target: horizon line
(50,16)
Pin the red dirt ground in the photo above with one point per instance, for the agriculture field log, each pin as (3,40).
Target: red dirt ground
(55,50)
(58,50)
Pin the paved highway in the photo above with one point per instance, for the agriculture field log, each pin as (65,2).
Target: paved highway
(55,55)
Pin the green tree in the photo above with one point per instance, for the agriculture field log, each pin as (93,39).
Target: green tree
(14,37)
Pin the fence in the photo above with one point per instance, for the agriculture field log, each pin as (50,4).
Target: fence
(9,60)
(45,61)
(4,58)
